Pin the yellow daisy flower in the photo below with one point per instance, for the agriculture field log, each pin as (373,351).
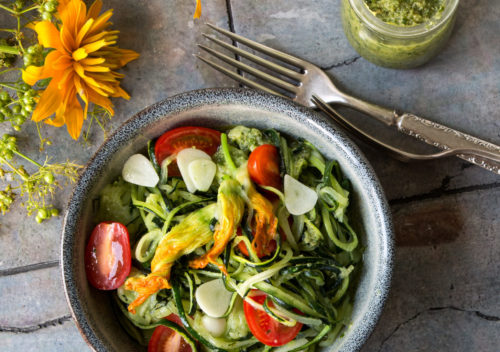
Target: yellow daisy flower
(82,64)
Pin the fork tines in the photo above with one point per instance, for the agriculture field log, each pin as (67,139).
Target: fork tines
(284,71)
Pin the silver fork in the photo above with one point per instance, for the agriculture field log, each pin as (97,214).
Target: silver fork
(311,80)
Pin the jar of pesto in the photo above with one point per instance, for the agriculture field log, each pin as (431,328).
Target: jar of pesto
(398,33)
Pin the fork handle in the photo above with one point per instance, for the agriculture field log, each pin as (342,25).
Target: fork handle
(483,153)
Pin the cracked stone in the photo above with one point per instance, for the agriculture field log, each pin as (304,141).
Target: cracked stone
(61,337)
(465,331)
(32,298)
(33,328)
(428,266)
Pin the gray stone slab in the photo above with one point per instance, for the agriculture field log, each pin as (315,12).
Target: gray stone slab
(61,337)
(31,298)
(446,283)
(308,29)
(447,329)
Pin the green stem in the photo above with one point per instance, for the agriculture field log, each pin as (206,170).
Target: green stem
(100,124)
(9,70)
(8,9)
(8,30)
(13,102)
(227,154)
(5,161)
(9,49)
(7,85)
(27,158)
(34,7)
(17,13)
(18,36)
(42,140)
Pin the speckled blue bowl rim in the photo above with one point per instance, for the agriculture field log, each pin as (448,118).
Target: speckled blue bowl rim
(220,96)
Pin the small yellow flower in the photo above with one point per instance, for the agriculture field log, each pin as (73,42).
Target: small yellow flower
(82,64)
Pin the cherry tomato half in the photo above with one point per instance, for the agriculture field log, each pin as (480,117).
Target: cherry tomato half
(167,340)
(173,141)
(264,166)
(107,256)
(263,327)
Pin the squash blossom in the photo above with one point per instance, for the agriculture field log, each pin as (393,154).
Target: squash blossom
(81,65)
(193,232)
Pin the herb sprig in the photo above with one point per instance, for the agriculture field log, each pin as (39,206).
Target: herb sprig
(37,188)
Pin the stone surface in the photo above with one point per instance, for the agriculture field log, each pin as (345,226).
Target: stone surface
(30,298)
(446,280)
(57,336)
(446,264)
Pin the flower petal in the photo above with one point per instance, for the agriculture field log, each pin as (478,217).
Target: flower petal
(82,92)
(94,9)
(94,38)
(58,120)
(90,61)
(67,39)
(90,48)
(62,5)
(101,22)
(120,93)
(66,78)
(98,99)
(32,74)
(80,89)
(83,31)
(99,87)
(48,35)
(55,62)
(125,56)
(96,68)
(79,54)
(49,102)
(74,118)
(74,16)
(197,12)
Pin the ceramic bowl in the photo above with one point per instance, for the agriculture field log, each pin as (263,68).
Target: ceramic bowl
(215,108)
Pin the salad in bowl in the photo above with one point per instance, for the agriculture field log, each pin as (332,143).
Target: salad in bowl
(227,240)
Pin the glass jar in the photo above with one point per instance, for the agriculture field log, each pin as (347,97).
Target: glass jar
(396,46)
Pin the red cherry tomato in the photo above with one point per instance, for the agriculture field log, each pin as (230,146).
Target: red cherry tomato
(263,327)
(264,166)
(167,340)
(173,141)
(107,256)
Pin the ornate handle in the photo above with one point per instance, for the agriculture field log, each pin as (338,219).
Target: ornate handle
(482,153)
(476,151)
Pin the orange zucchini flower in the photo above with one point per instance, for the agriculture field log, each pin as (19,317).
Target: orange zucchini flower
(81,65)
(191,233)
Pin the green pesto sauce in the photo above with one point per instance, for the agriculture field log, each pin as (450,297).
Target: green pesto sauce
(405,12)
(392,51)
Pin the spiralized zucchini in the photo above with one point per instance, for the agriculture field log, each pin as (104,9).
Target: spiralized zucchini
(308,279)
